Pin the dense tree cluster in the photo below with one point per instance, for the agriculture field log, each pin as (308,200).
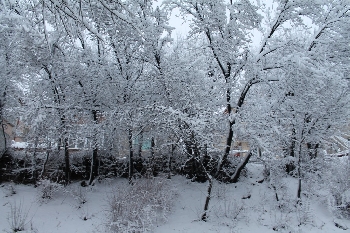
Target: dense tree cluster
(109,77)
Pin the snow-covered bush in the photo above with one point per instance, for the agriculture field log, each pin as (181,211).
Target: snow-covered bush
(345,207)
(339,187)
(229,208)
(10,189)
(304,213)
(220,191)
(84,213)
(18,217)
(279,184)
(79,194)
(47,190)
(135,208)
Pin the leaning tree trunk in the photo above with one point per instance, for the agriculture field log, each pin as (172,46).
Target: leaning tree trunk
(232,122)
(204,216)
(234,178)
(227,150)
(210,186)
(207,200)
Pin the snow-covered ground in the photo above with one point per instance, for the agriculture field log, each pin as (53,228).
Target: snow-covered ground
(248,206)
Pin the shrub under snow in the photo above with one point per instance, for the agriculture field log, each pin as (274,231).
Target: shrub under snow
(136,208)
(47,189)
(339,187)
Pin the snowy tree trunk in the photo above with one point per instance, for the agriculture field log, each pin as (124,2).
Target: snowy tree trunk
(232,122)
(207,200)
(131,159)
(43,170)
(2,139)
(240,167)
(2,133)
(67,170)
(210,186)
(94,166)
(140,144)
(171,155)
(59,99)
(94,159)
(34,175)
(152,156)
(259,152)
(67,160)
(59,143)
(299,173)
(227,149)
(292,144)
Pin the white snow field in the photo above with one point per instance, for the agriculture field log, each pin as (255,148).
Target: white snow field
(247,206)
